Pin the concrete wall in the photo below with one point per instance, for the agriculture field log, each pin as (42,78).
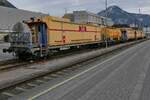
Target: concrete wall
(10,16)
(2,34)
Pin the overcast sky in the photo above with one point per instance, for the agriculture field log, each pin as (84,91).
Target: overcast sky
(57,7)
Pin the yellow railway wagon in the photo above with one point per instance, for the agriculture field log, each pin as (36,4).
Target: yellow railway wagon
(49,34)
(140,34)
(130,33)
(133,33)
(143,34)
(64,32)
(112,33)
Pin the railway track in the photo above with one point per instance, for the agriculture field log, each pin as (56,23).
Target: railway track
(8,67)
(2,63)
(58,75)
(16,63)
(12,64)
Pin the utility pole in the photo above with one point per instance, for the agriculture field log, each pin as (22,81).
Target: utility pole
(66,10)
(106,5)
(139,10)
(139,24)
(106,37)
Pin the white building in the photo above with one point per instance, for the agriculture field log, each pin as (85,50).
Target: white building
(147,31)
(88,17)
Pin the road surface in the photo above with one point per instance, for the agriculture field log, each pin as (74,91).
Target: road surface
(124,76)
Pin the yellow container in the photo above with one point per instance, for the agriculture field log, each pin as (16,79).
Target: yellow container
(62,31)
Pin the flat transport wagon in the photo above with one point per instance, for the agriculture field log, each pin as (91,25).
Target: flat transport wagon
(52,33)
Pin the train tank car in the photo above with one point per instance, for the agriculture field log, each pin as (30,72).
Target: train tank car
(51,33)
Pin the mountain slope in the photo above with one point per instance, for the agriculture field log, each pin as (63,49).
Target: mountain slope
(120,16)
(5,3)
